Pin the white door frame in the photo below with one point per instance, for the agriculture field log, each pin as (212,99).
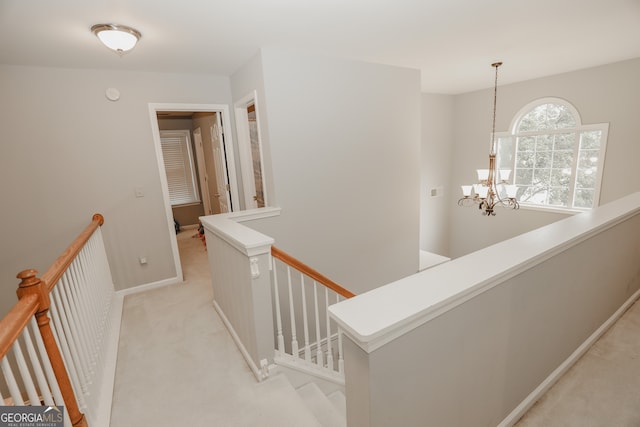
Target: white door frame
(244,150)
(154,108)
(202,171)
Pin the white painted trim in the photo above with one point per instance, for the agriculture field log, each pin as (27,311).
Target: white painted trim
(377,317)
(149,286)
(246,240)
(102,415)
(244,149)
(536,394)
(254,368)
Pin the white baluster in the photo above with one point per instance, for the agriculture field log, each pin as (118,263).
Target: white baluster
(67,341)
(307,349)
(14,391)
(294,340)
(48,369)
(27,381)
(81,323)
(278,312)
(326,313)
(69,321)
(36,366)
(319,355)
(89,317)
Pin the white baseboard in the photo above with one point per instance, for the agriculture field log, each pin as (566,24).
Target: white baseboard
(536,394)
(149,286)
(247,357)
(102,415)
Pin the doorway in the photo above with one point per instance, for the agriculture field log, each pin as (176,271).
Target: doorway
(214,172)
(250,152)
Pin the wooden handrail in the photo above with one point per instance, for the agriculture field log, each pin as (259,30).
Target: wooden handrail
(57,269)
(308,271)
(12,325)
(33,295)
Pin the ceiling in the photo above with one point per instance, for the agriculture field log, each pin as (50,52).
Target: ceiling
(452,42)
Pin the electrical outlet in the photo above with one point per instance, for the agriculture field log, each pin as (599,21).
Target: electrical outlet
(436,191)
(143,260)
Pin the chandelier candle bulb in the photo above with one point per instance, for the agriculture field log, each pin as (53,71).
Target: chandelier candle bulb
(512,190)
(483,174)
(466,190)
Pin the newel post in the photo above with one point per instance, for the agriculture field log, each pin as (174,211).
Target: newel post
(31,284)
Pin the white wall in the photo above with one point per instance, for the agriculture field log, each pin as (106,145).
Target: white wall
(609,93)
(344,140)
(435,172)
(68,152)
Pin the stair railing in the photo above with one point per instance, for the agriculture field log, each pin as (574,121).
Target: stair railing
(302,297)
(66,313)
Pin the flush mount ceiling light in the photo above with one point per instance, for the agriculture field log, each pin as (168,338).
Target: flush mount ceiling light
(118,38)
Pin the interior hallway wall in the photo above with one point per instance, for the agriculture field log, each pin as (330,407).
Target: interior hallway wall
(68,152)
(344,142)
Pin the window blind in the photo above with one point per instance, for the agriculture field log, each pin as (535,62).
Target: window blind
(179,167)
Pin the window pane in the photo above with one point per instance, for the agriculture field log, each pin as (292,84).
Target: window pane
(590,139)
(559,196)
(526,143)
(586,178)
(525,160)
(544,143)
(565,141)
(588,158)
(524,176)
(583,198)
(536,195)
(563,159)
(543,159)
(561,177)
(545,117)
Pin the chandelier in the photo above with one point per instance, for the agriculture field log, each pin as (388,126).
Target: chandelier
(493,187)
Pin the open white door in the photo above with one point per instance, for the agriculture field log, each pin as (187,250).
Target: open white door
(250,150)
(222,178)
(203,178)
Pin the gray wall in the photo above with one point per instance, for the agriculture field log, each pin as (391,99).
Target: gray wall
(68,152)
(473,364)
(435,172)
(609,93)
(344,139)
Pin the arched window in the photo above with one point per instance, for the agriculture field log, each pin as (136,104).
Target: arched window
(556,160)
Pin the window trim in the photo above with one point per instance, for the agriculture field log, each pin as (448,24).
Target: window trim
(579,129)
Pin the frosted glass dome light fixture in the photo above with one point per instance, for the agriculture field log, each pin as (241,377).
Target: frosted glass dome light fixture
(118,38)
